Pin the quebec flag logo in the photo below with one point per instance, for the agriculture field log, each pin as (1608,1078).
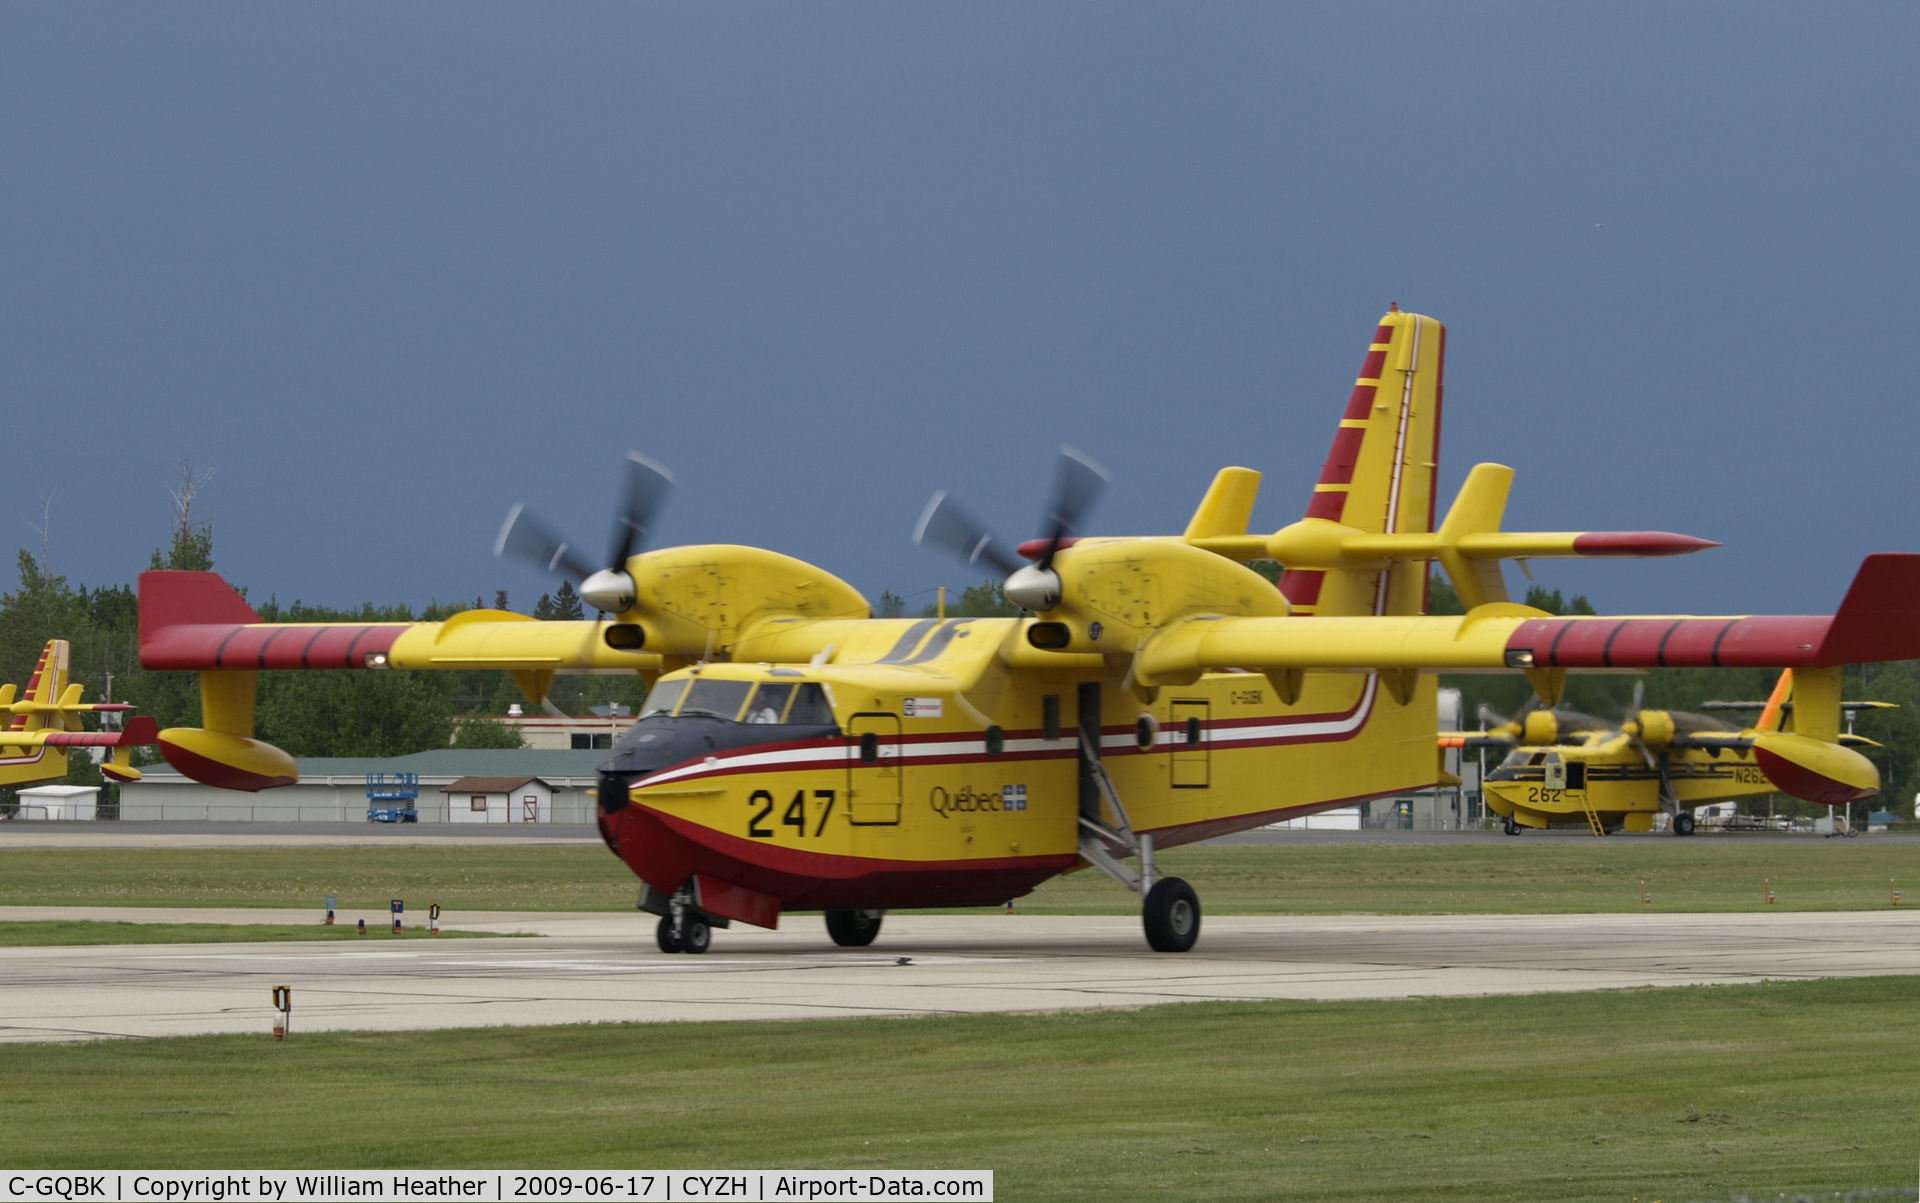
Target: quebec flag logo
(1013,797)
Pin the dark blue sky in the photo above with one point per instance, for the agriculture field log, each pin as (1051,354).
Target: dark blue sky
(387,269)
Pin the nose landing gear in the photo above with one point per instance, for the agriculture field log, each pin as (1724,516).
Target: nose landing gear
(684,927)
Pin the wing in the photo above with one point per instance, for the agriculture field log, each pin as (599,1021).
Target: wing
(1878,620)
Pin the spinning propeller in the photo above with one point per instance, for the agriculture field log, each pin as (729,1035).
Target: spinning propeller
(610,590)
(946,525)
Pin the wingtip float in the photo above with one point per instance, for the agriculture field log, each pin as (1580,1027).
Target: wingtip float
(796,753)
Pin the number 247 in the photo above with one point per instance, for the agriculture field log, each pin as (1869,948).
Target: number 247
(794,816)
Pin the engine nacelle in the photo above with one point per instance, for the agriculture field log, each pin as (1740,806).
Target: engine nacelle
(227,761)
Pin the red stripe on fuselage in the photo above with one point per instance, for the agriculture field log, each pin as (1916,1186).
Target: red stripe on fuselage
(665,851)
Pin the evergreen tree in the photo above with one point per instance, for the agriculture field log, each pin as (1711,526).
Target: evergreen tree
(566,602)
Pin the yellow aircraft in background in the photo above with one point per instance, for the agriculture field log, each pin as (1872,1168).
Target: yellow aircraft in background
(45,722)
(1566,768)
(798,754)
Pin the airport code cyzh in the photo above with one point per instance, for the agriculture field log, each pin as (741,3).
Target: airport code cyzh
(492,1186)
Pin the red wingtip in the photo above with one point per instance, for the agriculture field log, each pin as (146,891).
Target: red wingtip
(1638,543)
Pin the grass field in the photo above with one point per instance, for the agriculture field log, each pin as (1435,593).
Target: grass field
(1516,876)
(1707,1093)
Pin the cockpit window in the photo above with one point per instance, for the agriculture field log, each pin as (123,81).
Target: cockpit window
(663,697)
(769,703)
(810,706)
(719,698)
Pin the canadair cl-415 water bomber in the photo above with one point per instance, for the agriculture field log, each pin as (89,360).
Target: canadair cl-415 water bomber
(798,754)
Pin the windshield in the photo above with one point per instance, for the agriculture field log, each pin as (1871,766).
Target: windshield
(662,698)
(721,699)
(810,706)
(769,703)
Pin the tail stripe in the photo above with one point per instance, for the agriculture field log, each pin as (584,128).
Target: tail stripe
(1399,462)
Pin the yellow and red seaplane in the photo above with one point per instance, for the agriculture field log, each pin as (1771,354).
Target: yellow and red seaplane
(798,754)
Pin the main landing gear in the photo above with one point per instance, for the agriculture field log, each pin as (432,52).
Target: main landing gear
(1683,823)
(1169,909)
(1172,915)
(854,929)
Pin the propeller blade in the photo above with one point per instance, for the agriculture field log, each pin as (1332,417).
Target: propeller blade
(947,526)
(525,538)
(1077,483)
(645,486)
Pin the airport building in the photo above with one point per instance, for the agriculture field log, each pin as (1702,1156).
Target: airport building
(454,785)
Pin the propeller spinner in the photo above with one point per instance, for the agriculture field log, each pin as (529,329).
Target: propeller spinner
(610,590)
(946,525)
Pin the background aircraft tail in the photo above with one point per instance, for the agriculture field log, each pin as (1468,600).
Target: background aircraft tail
(1380,475)
(37,710)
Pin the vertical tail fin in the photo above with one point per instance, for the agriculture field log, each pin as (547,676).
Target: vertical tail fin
(1380,475)
(49,682)
(23,763)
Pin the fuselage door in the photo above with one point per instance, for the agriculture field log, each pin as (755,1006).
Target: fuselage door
(1190,767)
(874,785)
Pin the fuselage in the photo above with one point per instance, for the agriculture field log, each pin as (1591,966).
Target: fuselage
(918,769)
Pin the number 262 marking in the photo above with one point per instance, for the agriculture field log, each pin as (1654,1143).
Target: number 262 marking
(794,816)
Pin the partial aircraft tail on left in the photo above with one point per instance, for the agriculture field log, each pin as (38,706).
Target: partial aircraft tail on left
(45,721)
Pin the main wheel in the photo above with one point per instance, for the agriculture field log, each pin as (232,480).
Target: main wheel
(1683,823)
(853,929)
(1172,915)
(695,934)
(664,936)
(1509,826)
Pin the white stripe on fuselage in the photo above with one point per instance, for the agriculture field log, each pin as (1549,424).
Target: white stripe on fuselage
(1280,731)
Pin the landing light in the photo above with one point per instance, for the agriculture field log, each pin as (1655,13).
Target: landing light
(376,660)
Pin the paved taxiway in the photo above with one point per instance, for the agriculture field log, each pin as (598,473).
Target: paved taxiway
(601,967)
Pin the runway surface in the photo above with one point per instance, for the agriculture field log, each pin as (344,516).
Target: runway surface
(604,967)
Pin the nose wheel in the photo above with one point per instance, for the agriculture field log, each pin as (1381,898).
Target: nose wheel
(685,927)
(695,934)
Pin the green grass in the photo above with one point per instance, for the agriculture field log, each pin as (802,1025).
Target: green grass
(1518,876)
(530,878)
(1700,1093)
(1509,877)
(63,932)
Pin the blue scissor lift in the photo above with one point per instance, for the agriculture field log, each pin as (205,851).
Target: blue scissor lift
(392,797)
